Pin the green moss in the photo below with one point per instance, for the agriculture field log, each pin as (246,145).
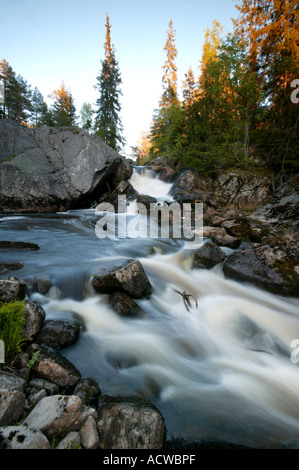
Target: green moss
(12,321)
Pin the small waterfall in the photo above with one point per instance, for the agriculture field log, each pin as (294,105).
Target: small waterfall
(146,182)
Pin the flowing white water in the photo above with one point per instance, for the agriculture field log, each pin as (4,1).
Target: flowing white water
(222,370)
(147,183)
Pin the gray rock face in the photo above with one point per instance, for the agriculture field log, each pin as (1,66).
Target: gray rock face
(129,278)
(129,423)
(53,169)
(125,306)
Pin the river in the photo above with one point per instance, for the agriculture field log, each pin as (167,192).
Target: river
(222,370)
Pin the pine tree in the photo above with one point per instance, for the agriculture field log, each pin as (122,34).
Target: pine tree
(17,93)
(107,116)
(63,109)
(37,103)
(169,78)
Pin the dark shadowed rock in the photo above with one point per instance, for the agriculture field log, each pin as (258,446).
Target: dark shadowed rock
(8,245)
(88,391)
(12,289)
(125,306)
(12,404)
(52,169)
(128,277)
(208,256)
(129,423)
(59,334)
(35,316)
(6,267)
(273,268)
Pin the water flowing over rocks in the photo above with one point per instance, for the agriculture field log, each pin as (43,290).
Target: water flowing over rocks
(54,169)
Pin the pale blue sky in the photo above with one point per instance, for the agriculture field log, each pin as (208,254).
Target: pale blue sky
(47,41)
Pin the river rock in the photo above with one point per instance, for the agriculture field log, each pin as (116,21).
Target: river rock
(273,268)
(55,414)
(130,423)
(71,441)
(51,365)
(125,306)
(89,434)
(7,267)
(35,316)
(8,245)
(59,334)
(88,391)
(220,237)
(53,169)
(11,382)
(128,277)
(146,200)
(208,255)
(12,405)
(283,210)
(12,289)
(21,437)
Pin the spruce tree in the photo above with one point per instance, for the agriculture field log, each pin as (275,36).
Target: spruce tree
(107,115)
(63,109)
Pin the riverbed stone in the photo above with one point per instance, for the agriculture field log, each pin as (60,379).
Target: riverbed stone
(51,365)
(89,434)
(21,437)
(125,306)
(55,414)
(12,289)
(128,277)
(273,268)
(71,441)
(129,423)
(88,390)
(12,405)
(59,333)
(10,382)
(35,316)
(208,255)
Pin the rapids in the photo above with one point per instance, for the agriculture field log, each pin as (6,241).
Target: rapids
(222,370)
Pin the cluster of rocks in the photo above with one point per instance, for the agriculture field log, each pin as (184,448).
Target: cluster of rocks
(250,214)
(44,401)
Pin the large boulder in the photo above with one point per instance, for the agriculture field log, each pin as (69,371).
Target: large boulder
(130,423)
(51,365)
(273,268)
(54,169)
(128,277)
